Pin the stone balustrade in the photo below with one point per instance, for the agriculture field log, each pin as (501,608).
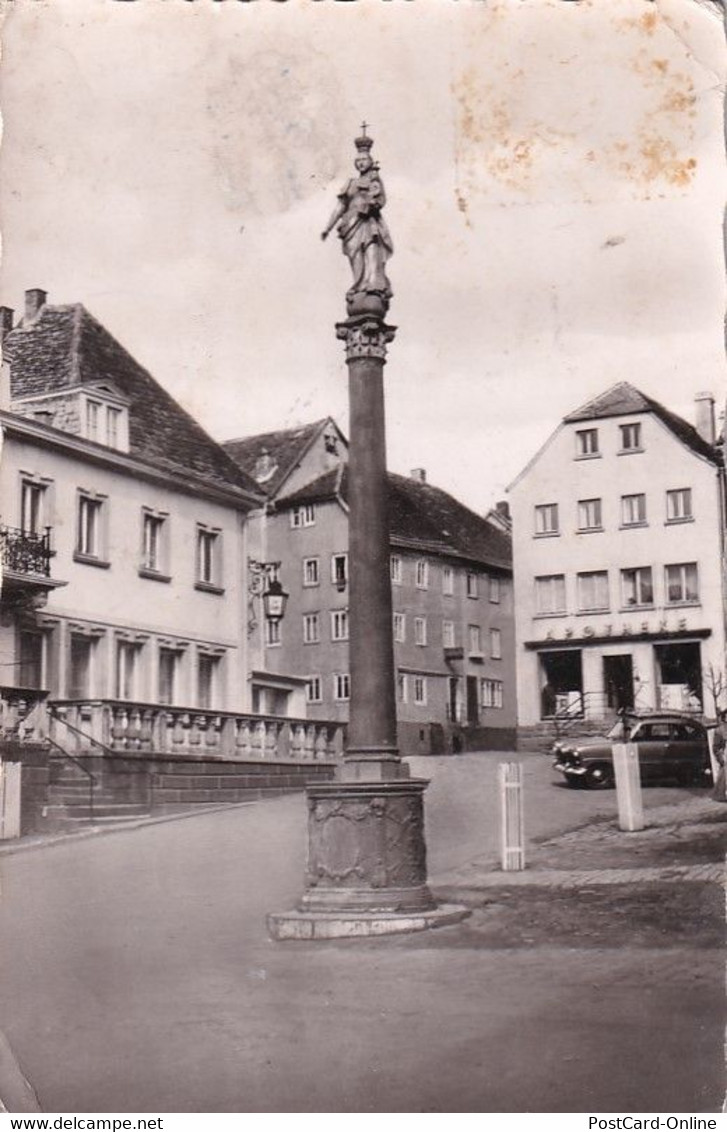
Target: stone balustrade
(23,714)
(90,727)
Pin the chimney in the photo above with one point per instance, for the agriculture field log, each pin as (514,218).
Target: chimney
(704,417)
(34,303)
(6,322)
(418,474)
(503,508)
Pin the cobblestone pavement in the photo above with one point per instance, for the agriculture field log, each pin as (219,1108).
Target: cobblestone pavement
(606,855)
(576,878)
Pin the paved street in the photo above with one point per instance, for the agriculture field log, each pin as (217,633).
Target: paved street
(137,975)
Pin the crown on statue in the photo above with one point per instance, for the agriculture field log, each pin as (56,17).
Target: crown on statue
(364,142)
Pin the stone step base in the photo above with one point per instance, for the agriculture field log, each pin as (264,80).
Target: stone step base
(346,925)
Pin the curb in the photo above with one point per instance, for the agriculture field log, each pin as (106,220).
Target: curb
(49,841)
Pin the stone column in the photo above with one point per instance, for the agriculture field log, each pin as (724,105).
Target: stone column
(371,751)
(366,872)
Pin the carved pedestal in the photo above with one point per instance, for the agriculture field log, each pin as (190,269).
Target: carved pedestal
(366,848)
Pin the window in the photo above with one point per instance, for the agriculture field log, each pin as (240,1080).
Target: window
(311,629)
(314,690)
(402,688)
(341,686)
(633,510)
(637,587)
(447,580)
(448,634)
(113,427)
(168,662)
(472,588)
(209,564)
(90,535)
(32,507)
(589,515)
(93,409)
(491,693)
(420,690)
(474,639)
(630,437)
(208,674)
(128,654)
(550,593)
(546,519)
(339,571)
(399,627)
(29,672)
(339,625)
(420,630)
(273,632)
(81,667)
(303,516)
(682,583)
(153,551)
(496,644)
(679,505)
(105,424)
(396,569)
(587,442)
(494,589)
(422,573)
(593,591)
(311,572)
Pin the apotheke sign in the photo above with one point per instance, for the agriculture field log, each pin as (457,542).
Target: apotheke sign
(647,630)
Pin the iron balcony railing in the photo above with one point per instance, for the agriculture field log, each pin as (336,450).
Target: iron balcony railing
(24,552)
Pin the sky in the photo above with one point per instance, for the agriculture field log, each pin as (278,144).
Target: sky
(555,177)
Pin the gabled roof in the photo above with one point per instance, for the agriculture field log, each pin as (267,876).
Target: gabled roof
(421,516)
(624,399)
(284,448)
(64,347)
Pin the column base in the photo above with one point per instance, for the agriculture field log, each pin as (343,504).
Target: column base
(349,925)
(366,870)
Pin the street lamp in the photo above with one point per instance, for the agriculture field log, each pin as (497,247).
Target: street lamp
(264,584)
(275,600)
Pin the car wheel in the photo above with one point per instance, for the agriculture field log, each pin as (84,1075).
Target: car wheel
(572,782)
(599,777)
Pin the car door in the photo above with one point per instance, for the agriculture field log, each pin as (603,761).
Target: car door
(686,755)
(652,740)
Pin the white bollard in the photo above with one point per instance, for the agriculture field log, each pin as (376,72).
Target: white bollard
(9,800)
(512,827)
(628,787)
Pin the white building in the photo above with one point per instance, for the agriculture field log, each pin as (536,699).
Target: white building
(123,527)
(618,527)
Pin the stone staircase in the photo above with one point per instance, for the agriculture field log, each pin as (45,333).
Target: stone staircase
(541,736)
(70,805)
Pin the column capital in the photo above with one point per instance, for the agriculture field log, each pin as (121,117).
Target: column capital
(365,336)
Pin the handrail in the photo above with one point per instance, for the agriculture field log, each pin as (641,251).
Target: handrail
(91,777)
(79,731)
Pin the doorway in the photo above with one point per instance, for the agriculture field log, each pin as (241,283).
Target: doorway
(618,681)
(473,706)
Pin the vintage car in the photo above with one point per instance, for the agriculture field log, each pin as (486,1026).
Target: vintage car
(671,747)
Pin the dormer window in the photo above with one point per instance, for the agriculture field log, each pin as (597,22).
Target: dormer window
(330,441)
(265,467)
(104,419)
